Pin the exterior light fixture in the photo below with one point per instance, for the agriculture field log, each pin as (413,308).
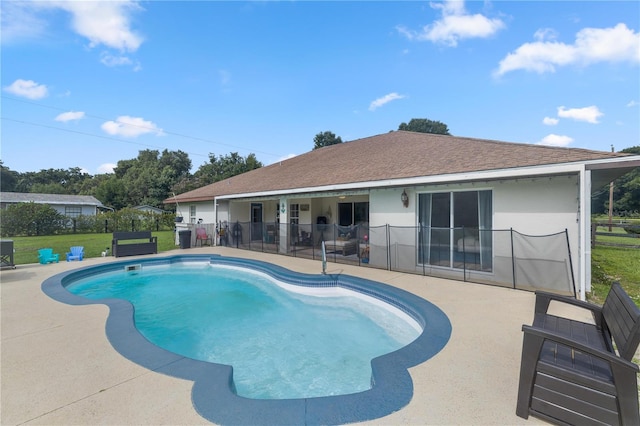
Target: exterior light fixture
(404,198)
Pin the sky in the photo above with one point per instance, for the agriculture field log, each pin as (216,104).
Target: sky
(88,83)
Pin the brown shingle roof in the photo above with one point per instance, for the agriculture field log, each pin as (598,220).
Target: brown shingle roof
(392,155)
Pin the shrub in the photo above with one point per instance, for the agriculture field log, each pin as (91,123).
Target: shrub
(632,229)
(31,219)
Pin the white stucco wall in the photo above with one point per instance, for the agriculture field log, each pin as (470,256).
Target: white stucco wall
(537,206)
(533,206)
(204,211)
(222,212)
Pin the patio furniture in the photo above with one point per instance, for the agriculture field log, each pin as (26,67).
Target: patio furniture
(271,234)
(46,255)
(143,243)
(202,237)
(343,246)
(571,373)
(75,253)
(6,254)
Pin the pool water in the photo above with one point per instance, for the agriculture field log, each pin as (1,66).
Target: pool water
(281,344)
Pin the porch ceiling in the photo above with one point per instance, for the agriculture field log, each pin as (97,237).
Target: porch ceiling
(603,174)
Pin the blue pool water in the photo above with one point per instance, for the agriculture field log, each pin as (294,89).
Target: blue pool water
(281,343)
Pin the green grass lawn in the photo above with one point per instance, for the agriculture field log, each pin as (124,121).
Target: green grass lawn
(623,238)
(26,248)
(609,264)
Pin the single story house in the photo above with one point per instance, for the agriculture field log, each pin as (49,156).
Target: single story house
(149,209)
(449,193)
(68,205)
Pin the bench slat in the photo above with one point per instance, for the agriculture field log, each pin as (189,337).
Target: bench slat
(623,319)
(604,399)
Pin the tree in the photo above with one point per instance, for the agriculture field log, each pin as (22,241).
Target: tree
(225,167)
(323,139)
(112,192)
(629,185)
(147,179)
(424,125)
(8,178)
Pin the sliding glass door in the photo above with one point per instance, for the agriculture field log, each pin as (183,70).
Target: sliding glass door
(455,229)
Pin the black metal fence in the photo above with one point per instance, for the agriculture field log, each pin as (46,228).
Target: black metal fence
(499,257)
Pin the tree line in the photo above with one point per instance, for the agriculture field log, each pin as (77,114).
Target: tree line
(153,176)
(148,179)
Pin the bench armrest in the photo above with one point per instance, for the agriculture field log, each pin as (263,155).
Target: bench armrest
(609,357)
(543,299)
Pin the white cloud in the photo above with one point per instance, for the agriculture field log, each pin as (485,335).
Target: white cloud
(70,116)
(130,127)
(105,23)
(102,23)
(550,121)
(633,103)
(286,157)
(589,114)
(114,61)
(384,100)
(27,89)
(18,21)
(555,140)
(106,168)
(592,45)
(456,24)
(545,34)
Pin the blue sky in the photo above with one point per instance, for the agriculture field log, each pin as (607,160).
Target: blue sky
(88,83)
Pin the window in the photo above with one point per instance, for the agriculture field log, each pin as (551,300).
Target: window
(72,211)
(294,221)
(192,214)
(294,213)
(353,213)
(345,214)
(455,229)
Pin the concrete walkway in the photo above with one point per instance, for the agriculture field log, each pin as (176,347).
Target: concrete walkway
(59,368)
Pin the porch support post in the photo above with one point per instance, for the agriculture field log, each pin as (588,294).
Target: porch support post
(284,225)
(215,221)
(584,239)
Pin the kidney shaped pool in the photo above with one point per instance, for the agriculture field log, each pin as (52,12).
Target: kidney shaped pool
(274,337)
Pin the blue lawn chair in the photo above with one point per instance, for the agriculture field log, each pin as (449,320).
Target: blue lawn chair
(46,255)
(76,253)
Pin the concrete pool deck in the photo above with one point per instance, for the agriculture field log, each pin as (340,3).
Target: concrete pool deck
(57,366)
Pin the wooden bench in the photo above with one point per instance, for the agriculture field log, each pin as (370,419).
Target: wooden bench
(571,373)
(133,243)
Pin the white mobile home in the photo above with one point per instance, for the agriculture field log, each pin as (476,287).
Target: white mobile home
(68,205)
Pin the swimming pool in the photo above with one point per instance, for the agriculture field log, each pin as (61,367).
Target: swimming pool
(283,341)
(214,395)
